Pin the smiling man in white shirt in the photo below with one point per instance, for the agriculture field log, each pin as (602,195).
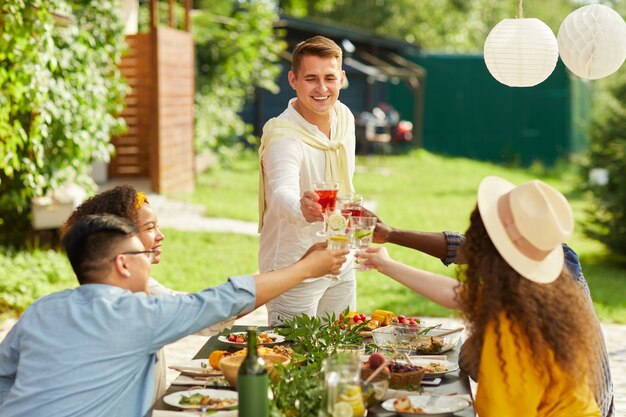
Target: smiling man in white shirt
(312,140)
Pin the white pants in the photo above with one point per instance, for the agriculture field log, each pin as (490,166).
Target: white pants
(314,298)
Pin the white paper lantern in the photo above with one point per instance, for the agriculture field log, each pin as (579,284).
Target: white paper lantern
(592,41)
(521,52)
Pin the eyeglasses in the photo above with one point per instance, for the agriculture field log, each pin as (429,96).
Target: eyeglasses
(148,254)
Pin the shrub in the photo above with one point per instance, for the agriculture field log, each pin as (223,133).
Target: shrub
(60,92)
(607,150)
(237,50)
(26,276)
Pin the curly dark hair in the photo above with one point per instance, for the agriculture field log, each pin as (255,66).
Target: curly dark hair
(120,201)
(555,317)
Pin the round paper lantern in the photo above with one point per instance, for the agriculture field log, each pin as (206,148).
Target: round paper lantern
(521,52)
(592,41)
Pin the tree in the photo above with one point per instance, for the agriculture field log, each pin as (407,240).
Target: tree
(443,25)
(60,92)
(237,51)
(607,150)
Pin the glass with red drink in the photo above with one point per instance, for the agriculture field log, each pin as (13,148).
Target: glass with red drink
(351,203)
(327,192)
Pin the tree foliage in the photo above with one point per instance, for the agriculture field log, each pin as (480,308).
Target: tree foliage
(237,51)
(607,150)
(443,25)
(60,92)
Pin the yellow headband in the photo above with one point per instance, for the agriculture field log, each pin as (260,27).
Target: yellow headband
(141,198)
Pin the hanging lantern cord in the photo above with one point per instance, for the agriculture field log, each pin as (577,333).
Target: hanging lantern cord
(521,9)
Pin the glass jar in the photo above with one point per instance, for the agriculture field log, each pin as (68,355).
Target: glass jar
(342,388)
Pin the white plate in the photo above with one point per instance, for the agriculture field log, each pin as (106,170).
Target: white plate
(196,367)
(277,339)
(438,405)
(449,366)
(210,381)
(174,398)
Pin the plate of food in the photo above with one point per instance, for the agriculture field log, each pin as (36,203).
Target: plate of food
(196,368)
(434,367)
(241,338)
(426,405)
(206,399)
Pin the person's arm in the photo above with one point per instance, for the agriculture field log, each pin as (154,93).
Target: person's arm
(316,264)
(281,165)
(9,352)
(441,245)
(438,288)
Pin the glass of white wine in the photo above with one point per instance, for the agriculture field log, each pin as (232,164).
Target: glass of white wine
(362,232)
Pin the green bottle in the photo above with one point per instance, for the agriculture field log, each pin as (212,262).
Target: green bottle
(253,382)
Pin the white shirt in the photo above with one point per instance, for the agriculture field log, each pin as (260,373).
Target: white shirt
(291,167)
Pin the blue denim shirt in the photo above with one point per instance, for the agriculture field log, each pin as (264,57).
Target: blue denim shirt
(90,351)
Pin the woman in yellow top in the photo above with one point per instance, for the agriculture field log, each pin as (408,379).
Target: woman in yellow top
(532,337)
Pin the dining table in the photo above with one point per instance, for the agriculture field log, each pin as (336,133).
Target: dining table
(452,383)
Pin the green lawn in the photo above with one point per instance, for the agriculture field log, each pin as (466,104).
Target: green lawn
(417,191)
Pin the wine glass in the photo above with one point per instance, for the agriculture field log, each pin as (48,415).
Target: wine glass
(327,192)
(362,231)
(351,203)
(338,237)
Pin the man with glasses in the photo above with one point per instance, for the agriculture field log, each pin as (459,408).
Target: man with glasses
(90,351)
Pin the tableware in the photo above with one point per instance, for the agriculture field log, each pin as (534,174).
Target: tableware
(342,393)
(401,339)
(362,231)
(327,192)
(275,337)
(448,366)
(351,203)
(439,406)
(196,367)
(174,398)
(230,365)
(207,381)
(432,343)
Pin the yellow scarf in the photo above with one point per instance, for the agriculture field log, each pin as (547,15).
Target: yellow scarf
(335,150)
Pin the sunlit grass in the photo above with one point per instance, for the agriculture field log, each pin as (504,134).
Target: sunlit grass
(419,191)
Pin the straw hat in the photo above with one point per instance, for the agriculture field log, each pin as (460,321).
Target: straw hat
(527,224)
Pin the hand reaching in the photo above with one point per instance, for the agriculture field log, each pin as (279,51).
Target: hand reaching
(311,209)
(382,230)
(373,257)
(324,262)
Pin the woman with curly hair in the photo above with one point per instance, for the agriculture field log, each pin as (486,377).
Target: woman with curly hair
(533,340)
(126,202)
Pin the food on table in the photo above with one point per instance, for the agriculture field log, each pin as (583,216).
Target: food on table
(384,317)
(336,242)
(337,222)
(429,345)
(352,396)
(435,367)
(201,399)
(400,319)
(283,350)
(401,375)
(375,360)
(404,405)
(215,357)
(261,350)
(242,338)
(264,350)
(372,324)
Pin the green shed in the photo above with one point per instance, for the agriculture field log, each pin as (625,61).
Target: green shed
(468,113)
